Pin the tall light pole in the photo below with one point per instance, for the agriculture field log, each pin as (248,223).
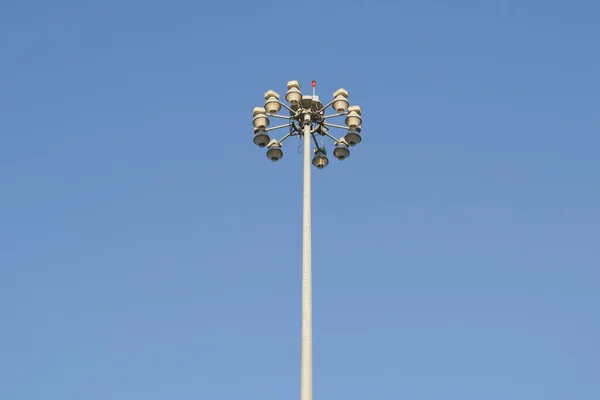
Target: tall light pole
(307,119)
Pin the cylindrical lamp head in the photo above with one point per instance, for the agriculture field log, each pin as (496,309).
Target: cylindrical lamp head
(274,153)
(272,106)
(340,104)
(260,121)
(320,159)
(341,151)
(261,138)
(293,96)
(353,137)
(353,120)
(340,100)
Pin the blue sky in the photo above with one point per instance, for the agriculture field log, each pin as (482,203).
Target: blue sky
(148,250)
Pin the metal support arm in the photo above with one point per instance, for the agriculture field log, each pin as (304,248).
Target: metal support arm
(325,107)
(331,137)
(279,116)
(335,115)
(278,127)
(285,137)
(335,126)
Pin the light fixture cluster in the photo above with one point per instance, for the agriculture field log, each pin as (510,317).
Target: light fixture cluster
(303,110)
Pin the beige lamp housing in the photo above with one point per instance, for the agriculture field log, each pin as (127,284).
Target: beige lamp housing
(293,96)
(340,100)
(260,121)
(272,105)
(353,120)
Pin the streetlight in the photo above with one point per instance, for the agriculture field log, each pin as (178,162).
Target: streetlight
(307,119)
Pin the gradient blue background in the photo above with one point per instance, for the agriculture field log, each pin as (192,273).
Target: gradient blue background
(148,250)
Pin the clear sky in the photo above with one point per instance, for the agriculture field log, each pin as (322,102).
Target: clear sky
(148,250)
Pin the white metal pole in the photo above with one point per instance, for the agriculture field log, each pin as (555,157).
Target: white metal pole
(306,367)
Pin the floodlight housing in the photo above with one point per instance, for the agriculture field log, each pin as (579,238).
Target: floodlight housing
(274,153)
(341,151)
(340,102)
(320,159)
(261,138)
(293,96)
(353,137)
(260,121)
(353,120)
(272,106)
